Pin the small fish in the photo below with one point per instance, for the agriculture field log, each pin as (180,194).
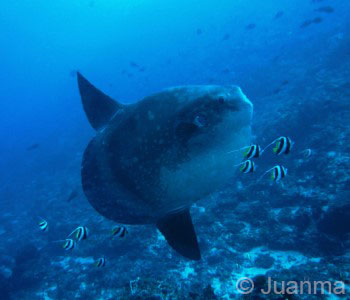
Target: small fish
(100,263)
(226,37)
(283,145)
(44,226)
(250,26)
(32,147)
(81,233)
(119,231)
(306,153)
(279,14)
(252,151)
(134,65)
(72,73)
(69,244)
(247,166)
(325,9)
(307,23)
(317,20)
(278,172)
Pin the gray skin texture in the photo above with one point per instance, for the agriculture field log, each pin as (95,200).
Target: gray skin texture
(160,155)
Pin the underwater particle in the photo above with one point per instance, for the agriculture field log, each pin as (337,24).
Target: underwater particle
(69,244)
(279,14)
(43,225)
(247,166)
(119,231)
(100,263)
(250,26)
(81,233)
(283,145)
(325,9)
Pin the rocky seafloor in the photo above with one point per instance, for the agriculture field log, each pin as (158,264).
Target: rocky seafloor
(293,231)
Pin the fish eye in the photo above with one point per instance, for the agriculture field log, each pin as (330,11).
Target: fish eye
(221,99)
(200,121)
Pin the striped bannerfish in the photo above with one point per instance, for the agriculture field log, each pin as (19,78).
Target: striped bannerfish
(81,233)
(43,225)
(283,145)
(278,172)
(119,231)
(252,151)
(248,166)
(69,244)
(101,262)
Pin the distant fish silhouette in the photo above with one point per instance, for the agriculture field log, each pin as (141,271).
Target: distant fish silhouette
(226,37)
(279,14)
(307,23)
(134,65)
(33,147)
(317,20)
(250,26)
(73,73)
(325,9)
(72,195)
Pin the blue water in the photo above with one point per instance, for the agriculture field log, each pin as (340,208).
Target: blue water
(297,76)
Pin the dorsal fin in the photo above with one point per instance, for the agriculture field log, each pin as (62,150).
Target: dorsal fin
(99,108)
(178,230)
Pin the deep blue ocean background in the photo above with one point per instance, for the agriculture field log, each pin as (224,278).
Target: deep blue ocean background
(295,72)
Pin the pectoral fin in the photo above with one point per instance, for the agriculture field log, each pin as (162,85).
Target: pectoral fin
(179,232)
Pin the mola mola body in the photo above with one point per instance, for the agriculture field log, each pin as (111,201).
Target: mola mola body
(151,160)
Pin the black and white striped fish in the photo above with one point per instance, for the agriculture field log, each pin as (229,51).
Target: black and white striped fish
(283,145)
(119,231)
(81,233)
(43,225)
(69,244)
(101,262)
(278,173)
(252,151)
(247,166)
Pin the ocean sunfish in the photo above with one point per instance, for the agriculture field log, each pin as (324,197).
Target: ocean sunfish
(151,160)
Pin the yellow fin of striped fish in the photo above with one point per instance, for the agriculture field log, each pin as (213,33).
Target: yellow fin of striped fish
(276,147)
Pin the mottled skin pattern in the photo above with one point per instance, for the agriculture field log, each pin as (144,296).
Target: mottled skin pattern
(154,157)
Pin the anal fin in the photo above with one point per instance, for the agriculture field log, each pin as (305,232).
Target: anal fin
(179,232)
